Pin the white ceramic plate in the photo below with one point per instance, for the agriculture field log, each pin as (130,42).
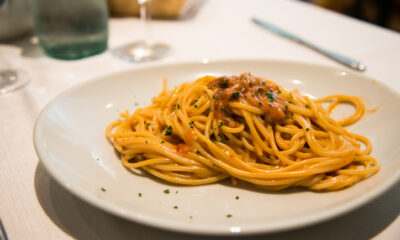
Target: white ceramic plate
(70,141)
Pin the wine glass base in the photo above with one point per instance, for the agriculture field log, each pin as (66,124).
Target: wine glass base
(141,52)
(12,80)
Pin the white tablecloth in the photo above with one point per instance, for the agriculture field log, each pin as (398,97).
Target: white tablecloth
(34,206)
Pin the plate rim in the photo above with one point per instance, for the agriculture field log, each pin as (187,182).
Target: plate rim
(138,218)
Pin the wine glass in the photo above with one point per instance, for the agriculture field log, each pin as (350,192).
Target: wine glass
(12,80)
(146,49)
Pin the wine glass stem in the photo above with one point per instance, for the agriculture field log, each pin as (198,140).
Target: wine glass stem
(145,18)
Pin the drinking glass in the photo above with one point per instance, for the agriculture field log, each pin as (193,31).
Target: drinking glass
(71,29)
(146,49)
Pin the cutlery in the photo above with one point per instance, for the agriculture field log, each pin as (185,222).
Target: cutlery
(335,56)
(3,234)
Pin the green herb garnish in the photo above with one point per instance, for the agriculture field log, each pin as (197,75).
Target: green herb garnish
(166,191)
(223,84)
(225,112)
(235,95)
(270,96)
(168,132)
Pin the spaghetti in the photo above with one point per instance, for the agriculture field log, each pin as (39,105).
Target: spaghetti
(244,128)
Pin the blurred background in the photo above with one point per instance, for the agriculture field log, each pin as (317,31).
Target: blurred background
(385,13)
(16,19)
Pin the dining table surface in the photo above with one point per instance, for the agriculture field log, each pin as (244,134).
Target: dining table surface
(33,205)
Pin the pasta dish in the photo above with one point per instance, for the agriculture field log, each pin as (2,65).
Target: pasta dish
(245,128)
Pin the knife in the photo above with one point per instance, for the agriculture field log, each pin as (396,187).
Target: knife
(335,56)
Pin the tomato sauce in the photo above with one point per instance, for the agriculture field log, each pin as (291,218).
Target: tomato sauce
(254,91)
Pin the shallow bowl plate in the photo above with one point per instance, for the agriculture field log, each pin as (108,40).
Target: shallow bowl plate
(70,141)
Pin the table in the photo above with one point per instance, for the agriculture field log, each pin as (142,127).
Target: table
(34,206)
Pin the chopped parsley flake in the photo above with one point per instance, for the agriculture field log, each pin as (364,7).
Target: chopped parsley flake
(195,106)
(279,91)
(237,197)
(263,83)
(270,96)
(286,106)
(225,112)
(178,106)
(213,96)
(229,215)
(140,194)
(235,95)
(223,84)
(162,141)
(260,103)
(307,106)
(168,132)
(307,129)
(175,207)
(221,124)
(166,191)
(147,142)
(103,189)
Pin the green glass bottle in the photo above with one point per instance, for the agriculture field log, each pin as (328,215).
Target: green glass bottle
(71,29)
